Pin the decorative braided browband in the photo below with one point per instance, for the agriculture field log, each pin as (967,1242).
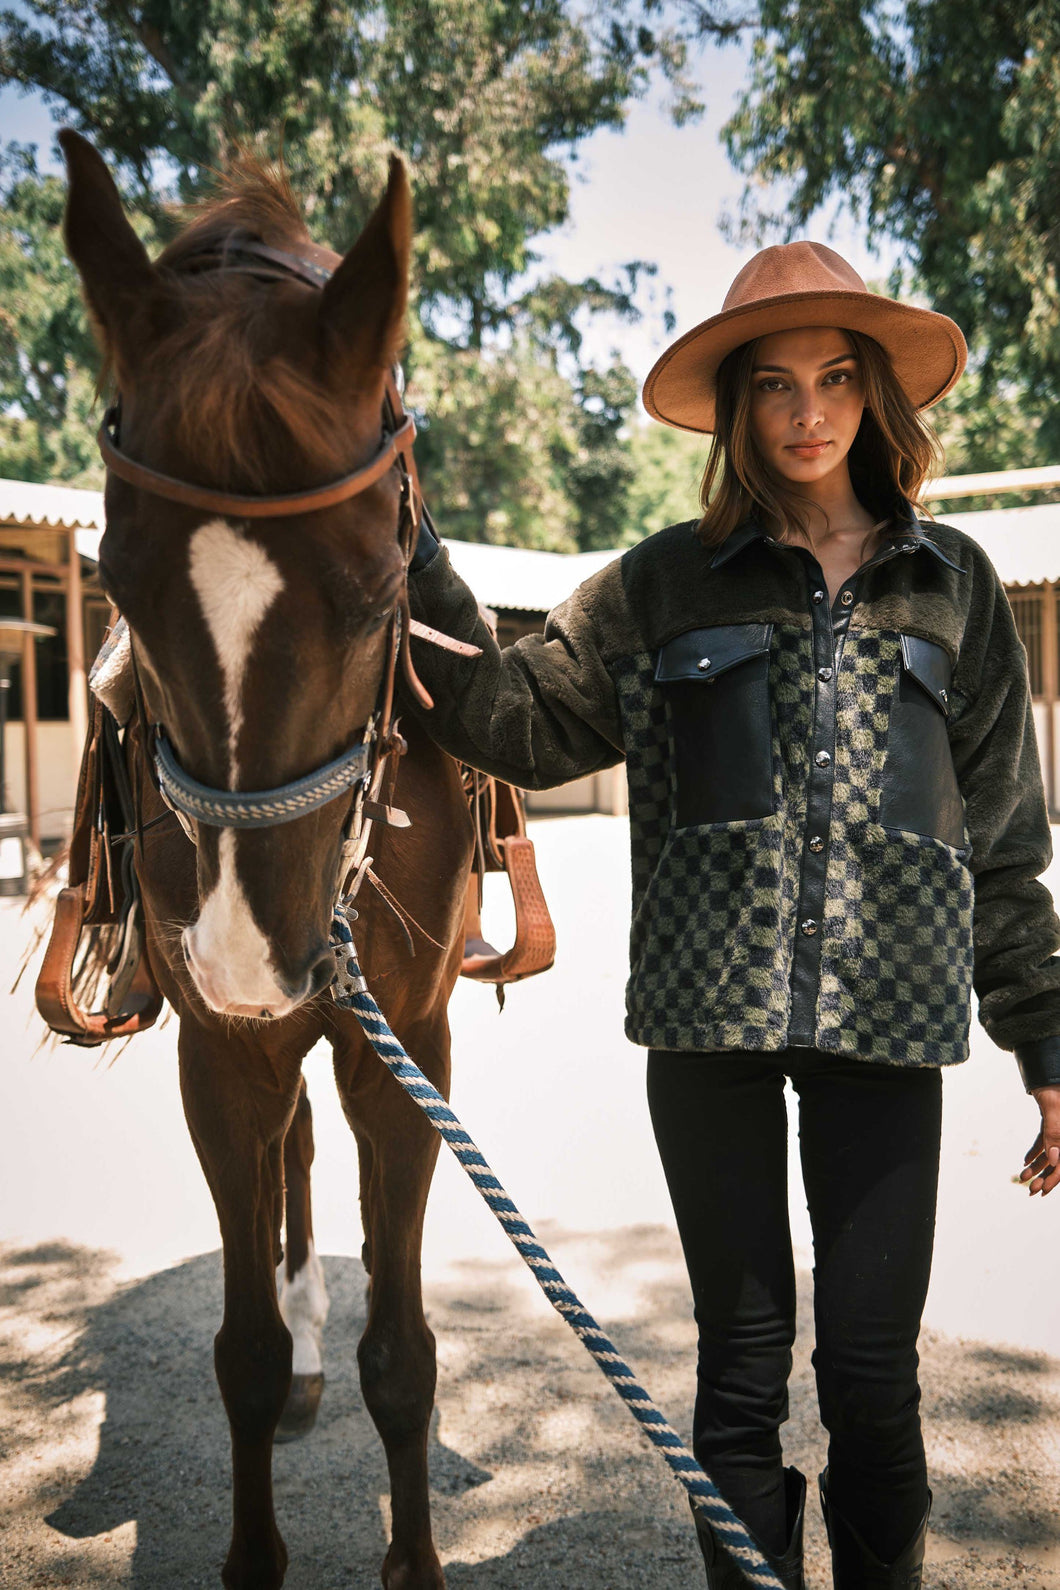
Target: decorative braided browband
(255,808)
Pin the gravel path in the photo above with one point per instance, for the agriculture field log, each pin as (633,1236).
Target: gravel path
(115,1466)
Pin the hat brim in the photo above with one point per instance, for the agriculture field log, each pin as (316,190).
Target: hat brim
(927,350)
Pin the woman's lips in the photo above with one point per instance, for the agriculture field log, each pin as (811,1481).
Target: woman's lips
(808,449)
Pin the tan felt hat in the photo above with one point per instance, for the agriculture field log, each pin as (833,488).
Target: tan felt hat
(802,284)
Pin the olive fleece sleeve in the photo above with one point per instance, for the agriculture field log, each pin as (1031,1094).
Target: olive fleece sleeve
(1016,932)
(537,714)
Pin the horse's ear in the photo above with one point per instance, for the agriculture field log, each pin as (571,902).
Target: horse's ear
(119,280)
(362,311)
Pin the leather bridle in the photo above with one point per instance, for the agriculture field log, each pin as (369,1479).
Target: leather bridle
(363,767)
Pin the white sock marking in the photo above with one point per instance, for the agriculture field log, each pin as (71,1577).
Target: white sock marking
(304,1306)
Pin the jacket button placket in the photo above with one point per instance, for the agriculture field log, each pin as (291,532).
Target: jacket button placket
(809,919)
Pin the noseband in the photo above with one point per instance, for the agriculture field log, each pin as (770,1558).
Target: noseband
(360,768)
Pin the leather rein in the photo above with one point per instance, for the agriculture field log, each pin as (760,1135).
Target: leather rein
(365,765)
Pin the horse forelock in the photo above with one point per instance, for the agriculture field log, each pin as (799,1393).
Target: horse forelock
(236,377)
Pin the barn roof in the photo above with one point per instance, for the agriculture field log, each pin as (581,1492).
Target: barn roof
(28,502)
(520,579)
(1022,543)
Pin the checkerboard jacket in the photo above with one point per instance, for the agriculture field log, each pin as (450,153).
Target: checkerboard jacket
(836,810)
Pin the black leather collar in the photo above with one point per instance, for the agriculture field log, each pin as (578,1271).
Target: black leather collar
(912,539)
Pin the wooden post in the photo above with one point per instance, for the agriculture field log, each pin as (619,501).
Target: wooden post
(29,713)
(75,652)
(1050,689)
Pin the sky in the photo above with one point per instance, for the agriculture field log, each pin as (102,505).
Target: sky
(648,191)
(655,191)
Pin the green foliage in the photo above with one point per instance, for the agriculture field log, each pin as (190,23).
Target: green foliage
(668,467)
(46,353)
(485,99)
(934,123)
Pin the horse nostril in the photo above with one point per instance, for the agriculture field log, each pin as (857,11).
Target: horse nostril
(313,981)
(321,975)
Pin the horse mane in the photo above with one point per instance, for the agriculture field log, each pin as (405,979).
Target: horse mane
(232,371)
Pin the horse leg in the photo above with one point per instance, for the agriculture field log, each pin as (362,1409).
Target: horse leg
(303,1297)
(398,1148)
(237,1124)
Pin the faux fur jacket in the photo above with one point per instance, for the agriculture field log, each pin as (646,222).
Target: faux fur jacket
(837,817)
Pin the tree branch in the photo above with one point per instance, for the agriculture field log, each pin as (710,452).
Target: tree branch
(709,22)
(152,42)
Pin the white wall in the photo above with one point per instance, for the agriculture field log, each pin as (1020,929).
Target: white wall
(59,760)
(601,792)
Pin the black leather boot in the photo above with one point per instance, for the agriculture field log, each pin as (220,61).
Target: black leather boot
(854,1567)
(723,1570)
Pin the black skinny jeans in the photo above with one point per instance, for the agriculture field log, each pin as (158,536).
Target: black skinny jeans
(869,1139)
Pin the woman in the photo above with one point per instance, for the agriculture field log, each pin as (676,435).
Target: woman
(838,826)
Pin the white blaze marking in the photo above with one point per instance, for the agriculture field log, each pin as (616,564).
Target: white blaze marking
(232,955)
(236,583)
(304,1306)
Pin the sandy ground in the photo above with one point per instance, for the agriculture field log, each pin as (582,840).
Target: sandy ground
(113,1441)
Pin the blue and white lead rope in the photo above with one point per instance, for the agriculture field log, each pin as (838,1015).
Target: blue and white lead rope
(351,992)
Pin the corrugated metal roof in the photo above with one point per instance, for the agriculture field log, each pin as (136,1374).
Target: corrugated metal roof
(520,579)
(1023,544)
(29,502)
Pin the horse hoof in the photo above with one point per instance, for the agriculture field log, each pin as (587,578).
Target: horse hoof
(420,1573)
(300,1412)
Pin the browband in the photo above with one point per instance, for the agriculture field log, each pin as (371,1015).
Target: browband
(248,507)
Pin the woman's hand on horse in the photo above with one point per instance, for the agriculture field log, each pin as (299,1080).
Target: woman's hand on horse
(1042,1159)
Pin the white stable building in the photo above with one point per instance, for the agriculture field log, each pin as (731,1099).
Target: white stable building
(49,539)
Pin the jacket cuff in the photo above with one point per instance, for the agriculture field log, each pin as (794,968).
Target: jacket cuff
(1039,1062)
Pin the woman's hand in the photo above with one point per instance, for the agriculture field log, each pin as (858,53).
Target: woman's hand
(1042,1159)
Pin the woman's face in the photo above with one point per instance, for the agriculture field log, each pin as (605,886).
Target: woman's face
(807,399)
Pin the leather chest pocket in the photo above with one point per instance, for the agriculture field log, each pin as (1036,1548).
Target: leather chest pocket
(716,685)
(920,791)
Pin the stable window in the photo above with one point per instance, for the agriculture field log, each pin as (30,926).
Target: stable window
(1028,609)
(49,607)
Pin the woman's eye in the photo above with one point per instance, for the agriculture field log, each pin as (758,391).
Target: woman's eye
(840,377)
(772,383)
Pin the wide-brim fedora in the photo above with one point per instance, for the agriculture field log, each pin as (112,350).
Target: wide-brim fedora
(802,284)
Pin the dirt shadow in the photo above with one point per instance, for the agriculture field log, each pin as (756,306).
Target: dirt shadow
(115,1445)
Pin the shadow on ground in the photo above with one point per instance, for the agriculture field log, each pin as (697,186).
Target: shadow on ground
(115,1451)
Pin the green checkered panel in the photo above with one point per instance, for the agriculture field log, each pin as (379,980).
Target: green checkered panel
(648,765)
(896,937)
(714,905)
(711,970)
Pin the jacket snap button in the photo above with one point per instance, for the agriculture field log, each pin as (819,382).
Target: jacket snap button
(846,598)
(822,759)
(824,674)
(818,596)
(703,664)
(809,927)
(816,844)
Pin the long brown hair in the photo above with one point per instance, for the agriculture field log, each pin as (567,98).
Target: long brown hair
(890,458)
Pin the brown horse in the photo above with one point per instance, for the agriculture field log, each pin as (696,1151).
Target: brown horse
(260,645)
